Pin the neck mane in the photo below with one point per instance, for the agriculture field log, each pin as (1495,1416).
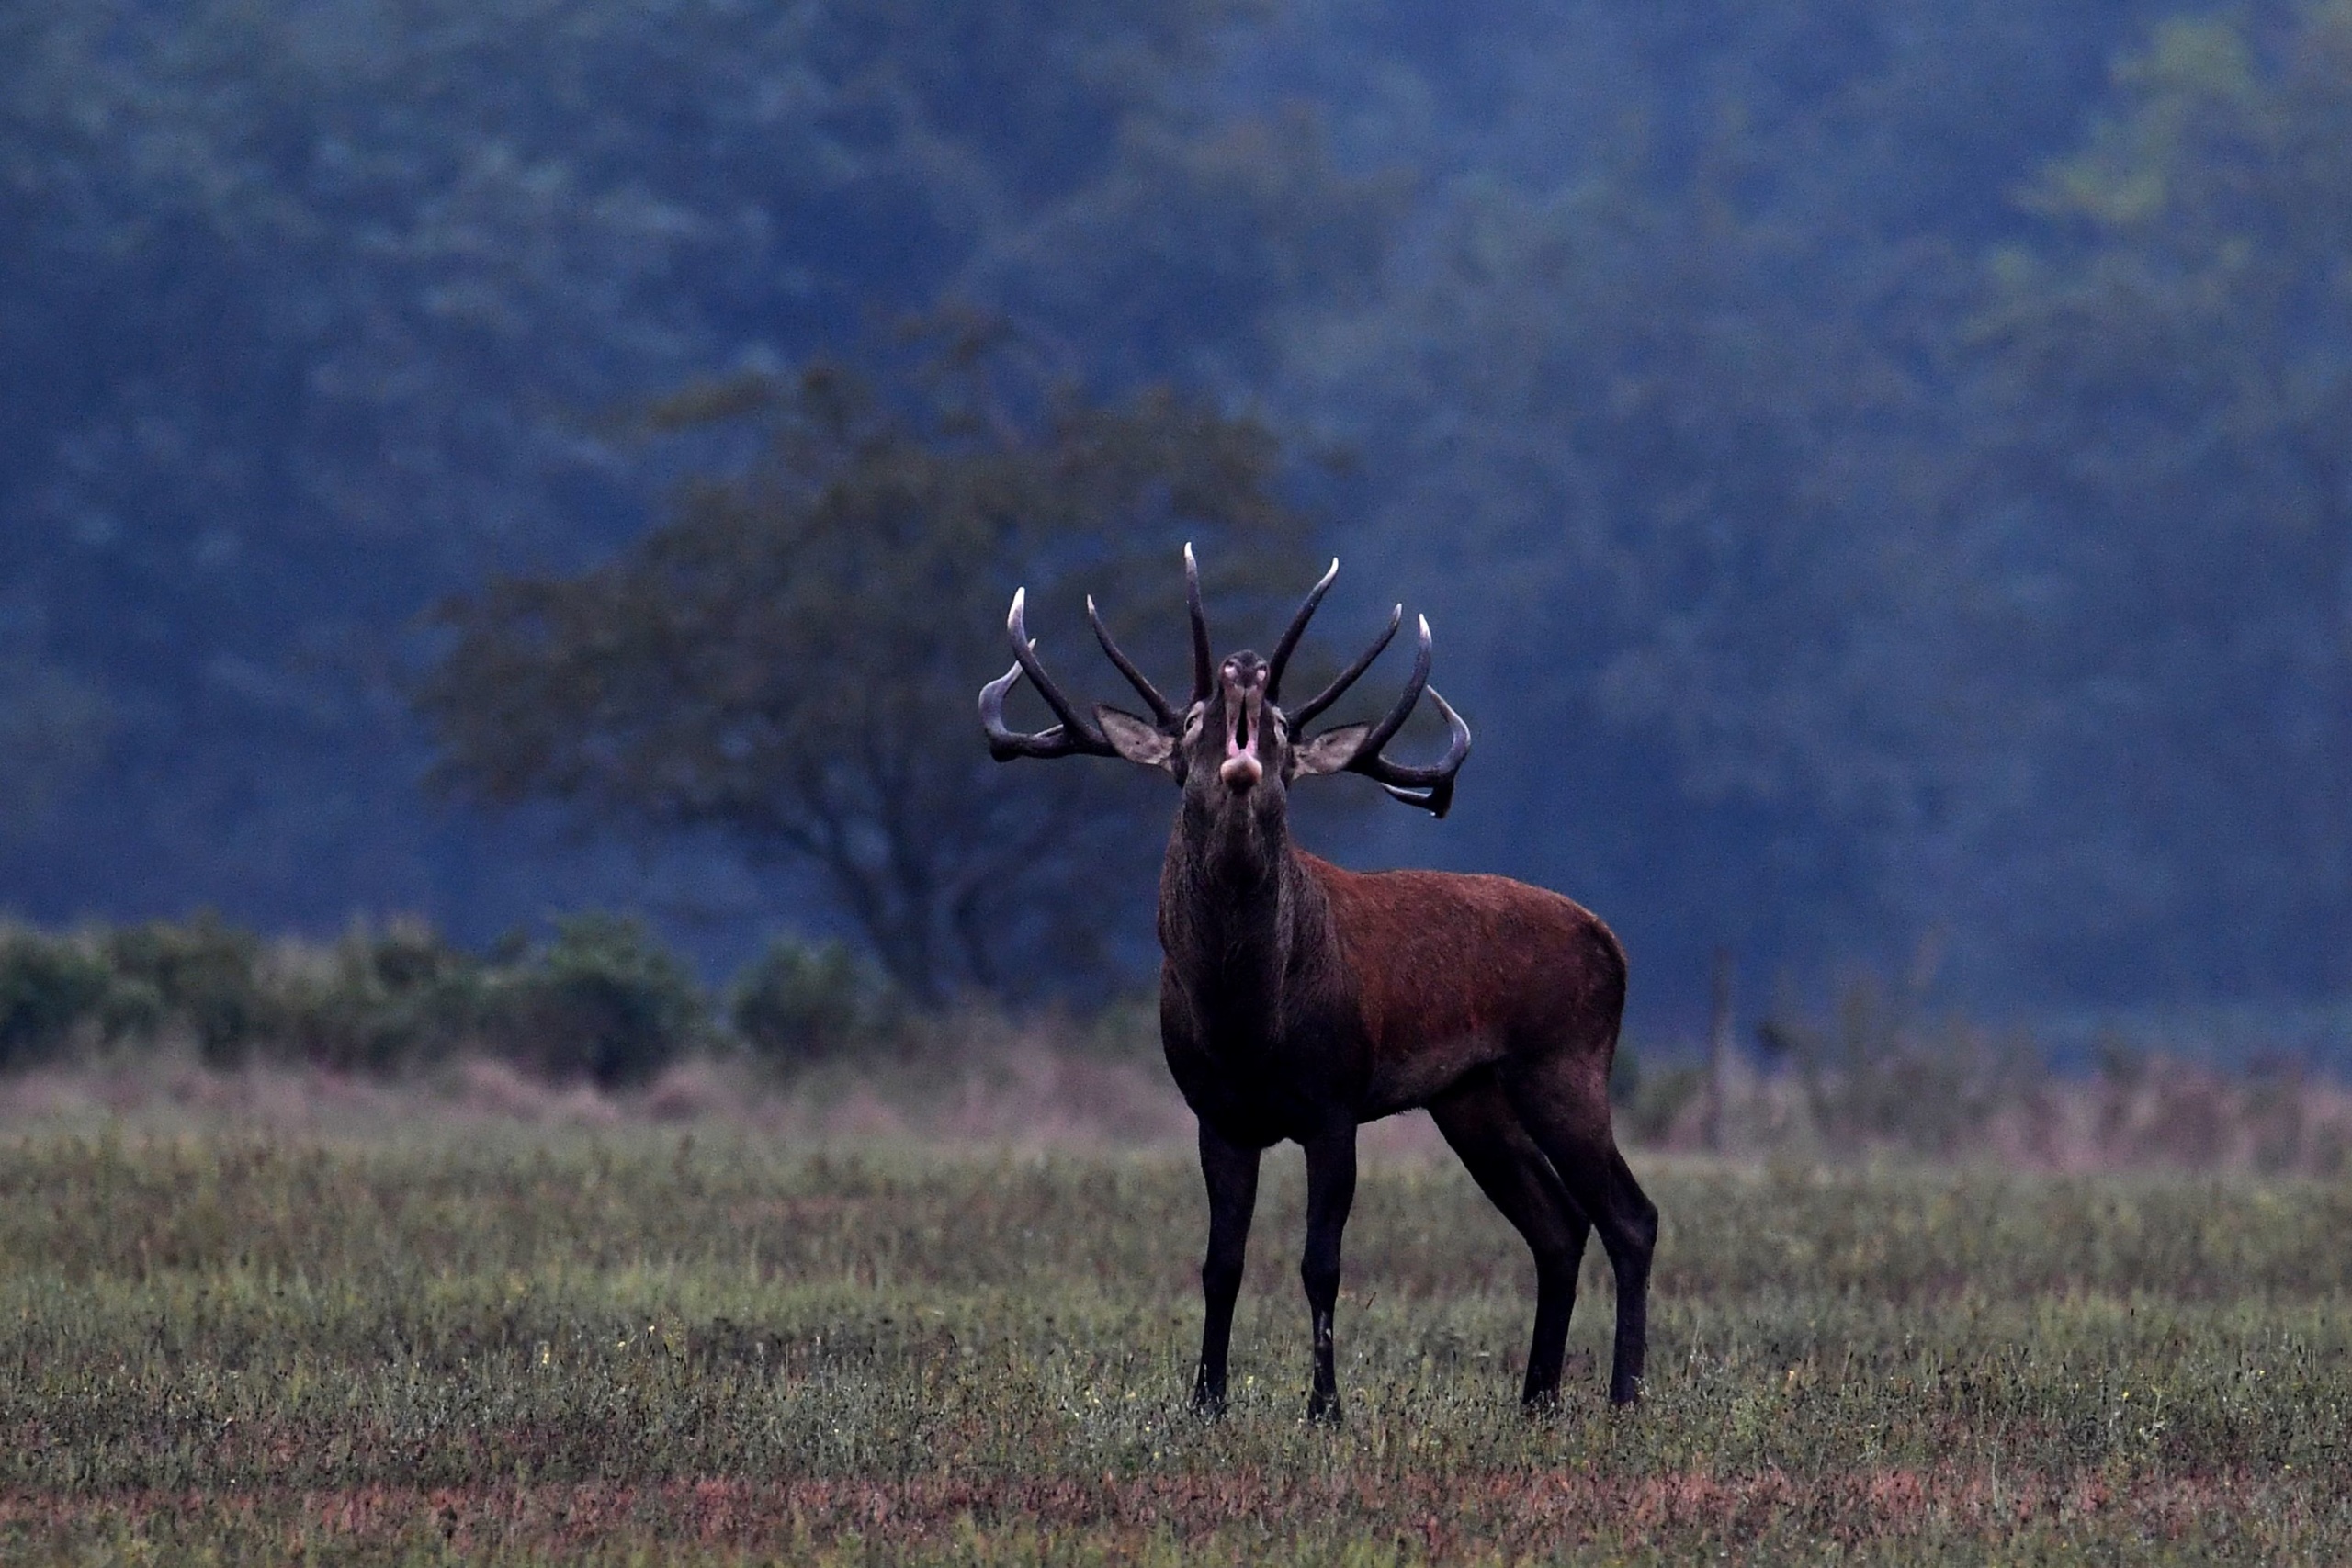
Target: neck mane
(1241,918)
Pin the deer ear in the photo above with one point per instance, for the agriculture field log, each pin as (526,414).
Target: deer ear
(1329,751)
(1137,739)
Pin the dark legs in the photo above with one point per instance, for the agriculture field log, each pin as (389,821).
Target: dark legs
(1516,1177)
(1569,1121)
(1231,1172)
(1330,1192)
(1638,1219)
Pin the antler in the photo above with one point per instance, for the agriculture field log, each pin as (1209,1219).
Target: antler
(1297,630)
(1430,787)
(1073,735)
(1339,688)
(1201,660)
(1167,717)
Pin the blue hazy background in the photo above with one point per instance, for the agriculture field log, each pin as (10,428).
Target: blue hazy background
(1880,470)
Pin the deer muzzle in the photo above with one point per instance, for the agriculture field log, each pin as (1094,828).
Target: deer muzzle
(1241,768)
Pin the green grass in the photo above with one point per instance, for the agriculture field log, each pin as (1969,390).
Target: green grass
(652,1348)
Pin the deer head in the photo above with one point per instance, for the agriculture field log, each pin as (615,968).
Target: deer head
(1233,746)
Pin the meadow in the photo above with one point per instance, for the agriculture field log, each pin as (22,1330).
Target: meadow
(532,1345)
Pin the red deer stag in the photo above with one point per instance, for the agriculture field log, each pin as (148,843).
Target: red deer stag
(1298,1001)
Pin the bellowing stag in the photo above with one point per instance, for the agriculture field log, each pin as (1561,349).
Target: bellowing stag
(1298,1001)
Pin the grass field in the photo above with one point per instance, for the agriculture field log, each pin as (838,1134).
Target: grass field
(640,1344)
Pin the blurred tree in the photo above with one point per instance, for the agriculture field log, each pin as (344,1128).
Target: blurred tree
(1203,255)
(793,658)
(313,311)
(1668,410)
(1658,401)
(2161,494)
(1822,572)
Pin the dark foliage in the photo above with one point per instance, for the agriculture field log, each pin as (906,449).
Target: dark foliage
(799,1003)
(1874,467)
(387,999)
(603,1001)
(47,988)
(316,313)
(792,658)
(204,976)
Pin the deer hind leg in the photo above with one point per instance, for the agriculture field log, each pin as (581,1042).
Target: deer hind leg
(1565,1106)
(1231,1172)
(1478,1121)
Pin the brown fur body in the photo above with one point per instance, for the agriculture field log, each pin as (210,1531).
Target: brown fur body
(1298,1001)
(1438,975)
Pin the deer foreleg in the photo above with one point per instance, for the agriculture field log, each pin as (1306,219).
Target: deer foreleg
(1231,1172)
(1330,1192)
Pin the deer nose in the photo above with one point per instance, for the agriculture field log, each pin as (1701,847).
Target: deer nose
(1245,670)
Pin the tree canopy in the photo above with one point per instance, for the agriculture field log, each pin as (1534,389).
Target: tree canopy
(792,659)
(317,311)
(1875,468)
(2160,480)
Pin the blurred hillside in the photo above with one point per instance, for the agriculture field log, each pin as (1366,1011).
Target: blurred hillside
(1877,472)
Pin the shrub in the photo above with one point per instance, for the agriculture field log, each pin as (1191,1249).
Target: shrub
(202,974)
(133,1011)
(1625,1076)
(385,999)
(48,987)
(605,1001)
(799,1003)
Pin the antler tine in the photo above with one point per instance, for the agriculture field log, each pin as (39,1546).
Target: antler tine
(1004,744)
(1201,658)
(1161,711)
(1297,630)
(1339,688)
(1430,787)
(1388,727)
(1073,734)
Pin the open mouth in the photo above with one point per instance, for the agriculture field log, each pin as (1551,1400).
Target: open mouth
(1241,767)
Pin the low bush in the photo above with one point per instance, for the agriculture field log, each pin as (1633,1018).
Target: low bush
(605,1001)
(385,1000)
(50,987)
(202,975)
(800,1003)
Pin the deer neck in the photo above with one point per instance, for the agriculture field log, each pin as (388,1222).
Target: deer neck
(1241,921)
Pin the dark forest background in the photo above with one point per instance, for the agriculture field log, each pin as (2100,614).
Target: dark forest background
(1880,473)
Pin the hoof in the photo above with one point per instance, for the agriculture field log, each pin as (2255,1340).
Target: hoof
(1323,1410)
